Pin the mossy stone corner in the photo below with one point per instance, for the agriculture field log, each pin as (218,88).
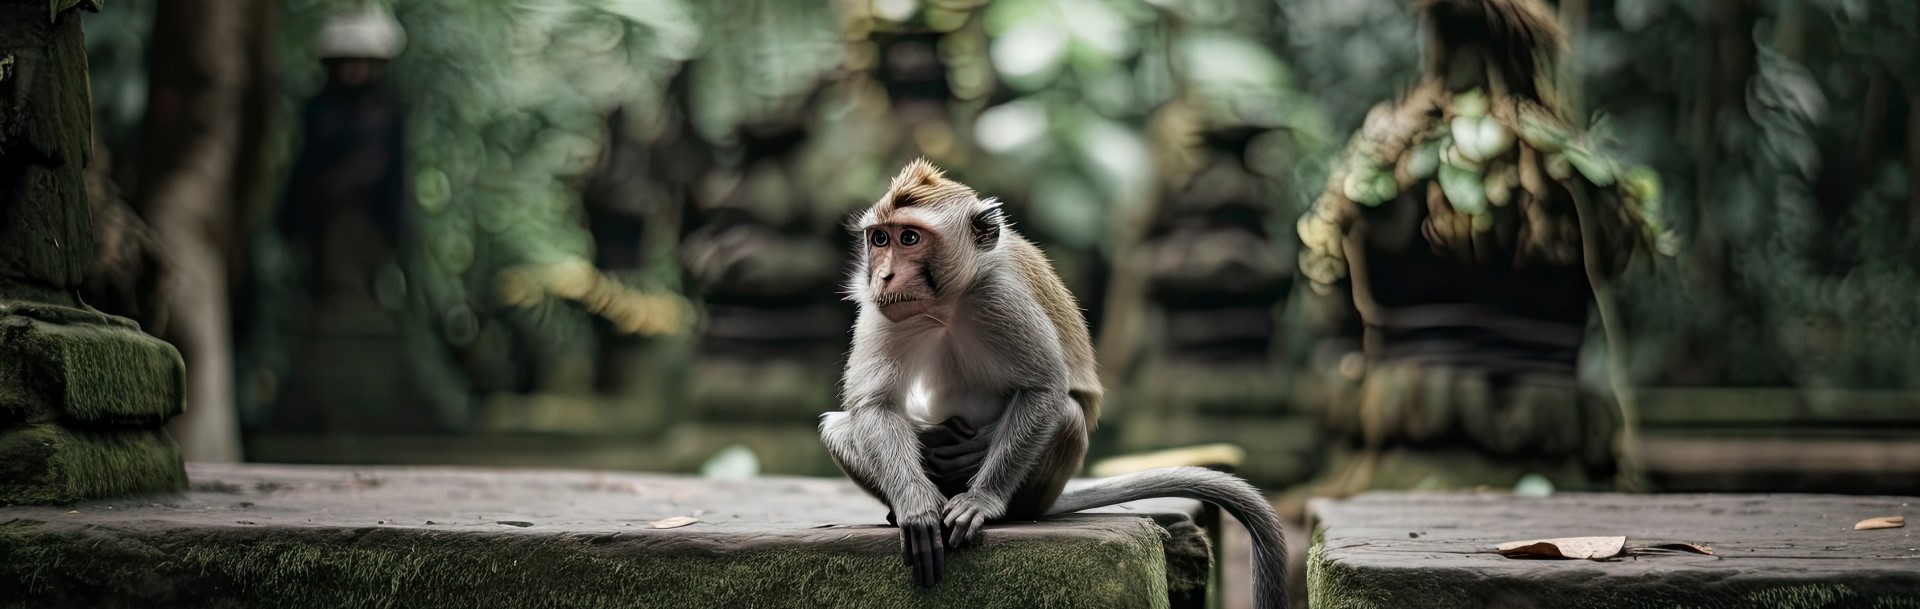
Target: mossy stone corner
(86,374)
(83,398)
(55,464)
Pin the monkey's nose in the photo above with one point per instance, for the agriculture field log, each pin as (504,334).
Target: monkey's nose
(886,275)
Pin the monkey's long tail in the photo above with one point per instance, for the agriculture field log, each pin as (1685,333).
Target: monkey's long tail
(1240,500)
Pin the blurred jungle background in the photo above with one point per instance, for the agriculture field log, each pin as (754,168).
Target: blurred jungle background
(609,233)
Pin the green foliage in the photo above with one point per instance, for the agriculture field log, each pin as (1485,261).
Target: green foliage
(1799,267)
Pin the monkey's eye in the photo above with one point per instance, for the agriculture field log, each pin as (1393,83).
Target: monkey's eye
(909,237)
(879,238)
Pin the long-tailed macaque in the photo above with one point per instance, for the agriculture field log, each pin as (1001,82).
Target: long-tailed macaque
(971,386)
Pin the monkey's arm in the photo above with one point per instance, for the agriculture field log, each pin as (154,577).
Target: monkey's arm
(878,449)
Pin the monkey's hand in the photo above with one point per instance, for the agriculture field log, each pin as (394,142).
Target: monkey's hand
(968,512)
(922,544)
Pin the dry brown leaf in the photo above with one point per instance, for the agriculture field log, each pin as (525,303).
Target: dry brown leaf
(1590,548)
(672,523)
(1883,522)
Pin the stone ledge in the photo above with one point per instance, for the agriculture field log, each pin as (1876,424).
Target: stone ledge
(87,373)
(252,535)
(1434,550)
(48,463)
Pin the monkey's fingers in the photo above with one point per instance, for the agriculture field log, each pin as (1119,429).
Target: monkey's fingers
(906,546)
(954,526)
(963,525)
(939,555)
(929,559)
(911,550)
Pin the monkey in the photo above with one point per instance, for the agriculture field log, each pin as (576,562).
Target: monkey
(970,387)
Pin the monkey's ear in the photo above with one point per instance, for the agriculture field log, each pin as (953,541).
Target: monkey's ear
(986,225)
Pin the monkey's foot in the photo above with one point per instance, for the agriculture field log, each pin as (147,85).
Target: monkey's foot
(967,513)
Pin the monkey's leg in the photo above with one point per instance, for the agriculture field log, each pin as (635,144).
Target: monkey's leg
(834,425)
(878,450)
(1025,453)
(1048,479)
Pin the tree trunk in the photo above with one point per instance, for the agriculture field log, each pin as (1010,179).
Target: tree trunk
(195,131)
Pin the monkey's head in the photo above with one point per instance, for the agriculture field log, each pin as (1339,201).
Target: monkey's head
(923,243)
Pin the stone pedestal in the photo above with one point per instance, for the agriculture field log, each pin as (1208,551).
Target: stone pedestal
(83,395)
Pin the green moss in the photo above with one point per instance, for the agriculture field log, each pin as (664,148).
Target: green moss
(1335,585)
(94,374)
(45,463)
(398,567)
(1811,596)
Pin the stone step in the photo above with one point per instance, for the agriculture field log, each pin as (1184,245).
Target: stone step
(265,535)
(1436,550)
(97,373)
(54,463)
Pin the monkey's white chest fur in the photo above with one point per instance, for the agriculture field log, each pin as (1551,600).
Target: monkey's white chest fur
(942,378)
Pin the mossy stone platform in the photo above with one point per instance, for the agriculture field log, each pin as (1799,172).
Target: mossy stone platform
(1789,551)
(314,536)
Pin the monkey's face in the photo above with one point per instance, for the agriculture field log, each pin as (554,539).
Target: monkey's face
(899,256)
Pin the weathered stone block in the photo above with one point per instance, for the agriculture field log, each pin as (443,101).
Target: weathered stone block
(1436,550)
(271,536)
(46,463)
(86,373)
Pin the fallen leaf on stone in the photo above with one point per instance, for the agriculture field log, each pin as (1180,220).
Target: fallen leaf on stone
(1590,548)
(672,523)
(1883,522)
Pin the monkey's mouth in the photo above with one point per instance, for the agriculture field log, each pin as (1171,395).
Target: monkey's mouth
(899,308)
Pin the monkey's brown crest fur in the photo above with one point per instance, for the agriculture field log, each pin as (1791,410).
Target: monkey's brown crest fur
(920,184)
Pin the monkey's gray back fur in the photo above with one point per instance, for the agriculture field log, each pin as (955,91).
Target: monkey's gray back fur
(1240,500)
